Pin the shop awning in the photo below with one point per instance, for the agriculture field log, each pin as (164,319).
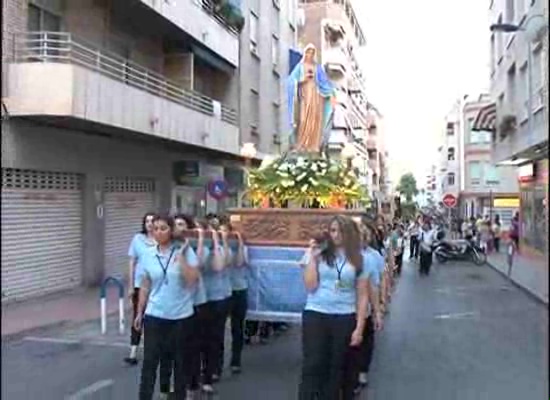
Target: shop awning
(486,118)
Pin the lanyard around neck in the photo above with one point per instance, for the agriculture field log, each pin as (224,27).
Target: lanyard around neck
(165,267)
(340,268)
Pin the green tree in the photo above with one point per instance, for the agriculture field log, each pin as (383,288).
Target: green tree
(407,187)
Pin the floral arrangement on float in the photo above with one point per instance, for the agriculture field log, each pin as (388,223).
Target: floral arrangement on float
(311,181)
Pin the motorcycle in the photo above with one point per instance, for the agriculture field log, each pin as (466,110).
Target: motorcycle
(459,250)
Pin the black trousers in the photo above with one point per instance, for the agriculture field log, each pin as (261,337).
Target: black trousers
(325,351)
(425,262)
(237,313)
(367,346)
(215,316)
(162,337)
(413,247)
(199,348)
(135,335)
(496,242)
(398,263)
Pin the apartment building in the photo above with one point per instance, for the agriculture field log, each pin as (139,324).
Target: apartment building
(268,36)
(448,177)
(333,28)
(518,114)
(113,108)
(486,188)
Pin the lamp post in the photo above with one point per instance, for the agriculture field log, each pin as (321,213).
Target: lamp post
(531,36)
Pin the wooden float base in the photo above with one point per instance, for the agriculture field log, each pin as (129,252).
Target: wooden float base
(292,227)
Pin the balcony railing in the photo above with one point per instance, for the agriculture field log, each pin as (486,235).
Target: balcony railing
(60,47)
(209,7)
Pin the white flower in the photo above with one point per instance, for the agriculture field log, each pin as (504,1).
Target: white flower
(313,182)
(314,167)
(284,166)
(304,187)
(287,183)
(301,176)
(266,162)
(282,174)
(300,162)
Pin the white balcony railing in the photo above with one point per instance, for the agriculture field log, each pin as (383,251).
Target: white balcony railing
(60,47)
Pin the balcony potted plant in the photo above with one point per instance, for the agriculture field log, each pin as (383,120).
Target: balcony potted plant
(231,13)
(508,125)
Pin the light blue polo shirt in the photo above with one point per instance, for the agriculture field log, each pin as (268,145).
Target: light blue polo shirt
(239,273)
(327,298)
(216,283)
(373,265)
(169,297)
(200,290)
(138,246)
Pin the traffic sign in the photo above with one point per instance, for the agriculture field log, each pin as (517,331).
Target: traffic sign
(449,200)
(217,188)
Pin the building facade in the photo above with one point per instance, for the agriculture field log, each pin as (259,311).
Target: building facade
(112,109)
(448,174)
(486,188)
(519,91)
(269,34)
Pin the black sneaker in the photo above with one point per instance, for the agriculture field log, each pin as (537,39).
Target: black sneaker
(131,361)
(235,370)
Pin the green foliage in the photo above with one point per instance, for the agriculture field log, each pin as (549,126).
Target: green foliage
(407,187)
(305,179)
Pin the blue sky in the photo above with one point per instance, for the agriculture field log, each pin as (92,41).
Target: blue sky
(420,57)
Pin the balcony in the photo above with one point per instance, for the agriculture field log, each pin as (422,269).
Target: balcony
(56,76)
(200,20)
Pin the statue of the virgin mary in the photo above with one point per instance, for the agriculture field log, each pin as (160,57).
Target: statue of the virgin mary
(311,101)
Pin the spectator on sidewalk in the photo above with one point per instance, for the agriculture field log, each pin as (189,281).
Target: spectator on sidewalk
(142,243)
(413,231)
(514,230)
(399,249)
(427,237)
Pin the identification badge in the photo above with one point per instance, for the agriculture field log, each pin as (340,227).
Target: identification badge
(339,285)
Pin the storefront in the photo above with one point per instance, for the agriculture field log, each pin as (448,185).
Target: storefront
(533,178)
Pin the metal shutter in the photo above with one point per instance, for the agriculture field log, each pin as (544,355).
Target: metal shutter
(41,232)
(126,200)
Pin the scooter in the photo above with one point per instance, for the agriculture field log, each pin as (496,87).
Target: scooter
(459,250)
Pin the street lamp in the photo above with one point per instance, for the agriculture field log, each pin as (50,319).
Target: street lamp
(532,35)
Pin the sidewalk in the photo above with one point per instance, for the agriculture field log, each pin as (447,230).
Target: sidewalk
(530,273)
(75,306)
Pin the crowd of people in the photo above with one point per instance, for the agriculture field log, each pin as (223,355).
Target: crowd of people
(184,288)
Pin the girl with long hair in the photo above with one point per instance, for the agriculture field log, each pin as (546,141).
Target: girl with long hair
(142,242)
(334,315)
(218,292)
(239,300)
(165,309)
(373,263)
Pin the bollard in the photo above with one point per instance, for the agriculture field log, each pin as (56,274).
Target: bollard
(103,304)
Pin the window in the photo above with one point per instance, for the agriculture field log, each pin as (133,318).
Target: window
(511,87)
(450,179)
(277,118)
(42,20)
(275,17)
(537,77)
(493,56)
(510,12)
(451,154)
(474,172)
(522,91)
(254,109)
(450,129)
(492,176)
(500,42)
(253,33)
(275,51)
(480,137)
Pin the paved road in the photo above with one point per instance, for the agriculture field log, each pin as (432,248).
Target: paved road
(462,333)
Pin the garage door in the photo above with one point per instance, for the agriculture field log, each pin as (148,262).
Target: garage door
(41,232)
(126,201)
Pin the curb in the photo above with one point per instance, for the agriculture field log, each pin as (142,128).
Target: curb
(523,288)
(11,337)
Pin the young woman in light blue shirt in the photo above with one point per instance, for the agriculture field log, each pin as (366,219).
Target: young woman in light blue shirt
(142,242)
(334,315)
(238,270)
(218,292)
(373,265)
(165,308)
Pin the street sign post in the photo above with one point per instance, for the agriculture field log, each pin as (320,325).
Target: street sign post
(449,200)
